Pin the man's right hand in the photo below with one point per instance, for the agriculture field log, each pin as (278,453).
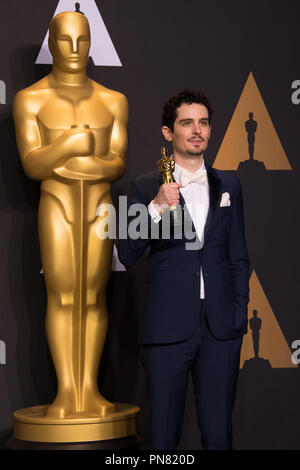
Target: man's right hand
(168,195)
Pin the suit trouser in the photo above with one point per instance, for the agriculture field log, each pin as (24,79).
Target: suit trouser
(214,365)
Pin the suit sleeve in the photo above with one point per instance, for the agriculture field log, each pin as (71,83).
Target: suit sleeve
(237,251)
(130,250)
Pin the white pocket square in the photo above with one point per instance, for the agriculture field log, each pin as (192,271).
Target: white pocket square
(225,200)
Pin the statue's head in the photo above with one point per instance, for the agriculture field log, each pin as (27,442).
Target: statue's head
(69,41)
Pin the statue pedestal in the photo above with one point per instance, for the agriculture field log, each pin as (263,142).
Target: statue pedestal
(31,425)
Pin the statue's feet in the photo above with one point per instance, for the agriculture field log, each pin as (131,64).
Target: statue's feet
(94,402)
(62,407)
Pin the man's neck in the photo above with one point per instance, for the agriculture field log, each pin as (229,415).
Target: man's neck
(189,163)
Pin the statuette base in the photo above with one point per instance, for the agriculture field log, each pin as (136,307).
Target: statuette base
(32,424)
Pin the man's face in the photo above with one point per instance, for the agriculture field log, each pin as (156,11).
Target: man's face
(191,131)
(70,43)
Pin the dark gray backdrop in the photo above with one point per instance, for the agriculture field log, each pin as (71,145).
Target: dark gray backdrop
(164,46)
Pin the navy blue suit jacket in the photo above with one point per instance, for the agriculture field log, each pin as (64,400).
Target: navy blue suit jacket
(173,278)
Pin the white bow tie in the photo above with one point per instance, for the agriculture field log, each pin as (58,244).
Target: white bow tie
(199,176)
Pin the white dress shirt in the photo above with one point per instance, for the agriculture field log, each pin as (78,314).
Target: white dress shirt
(196,198)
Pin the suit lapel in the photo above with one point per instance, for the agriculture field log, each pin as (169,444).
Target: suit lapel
(214,184)
(181,200)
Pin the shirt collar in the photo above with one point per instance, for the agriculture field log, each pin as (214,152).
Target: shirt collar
(178,169)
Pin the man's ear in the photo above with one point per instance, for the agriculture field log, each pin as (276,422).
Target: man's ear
(167,133)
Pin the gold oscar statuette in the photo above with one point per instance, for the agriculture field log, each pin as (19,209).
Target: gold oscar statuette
(72,136)
(166,167)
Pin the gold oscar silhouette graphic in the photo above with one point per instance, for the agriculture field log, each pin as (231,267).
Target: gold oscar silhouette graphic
(71,134)
(251,140)
(264,346)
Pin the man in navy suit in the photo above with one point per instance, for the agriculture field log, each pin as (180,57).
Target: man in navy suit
(197,293)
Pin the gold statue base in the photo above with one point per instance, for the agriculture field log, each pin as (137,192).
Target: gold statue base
(32,424)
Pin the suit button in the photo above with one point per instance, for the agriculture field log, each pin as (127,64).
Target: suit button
(205,274)
(197,274)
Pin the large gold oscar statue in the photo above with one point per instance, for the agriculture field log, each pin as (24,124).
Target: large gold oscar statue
(71,135)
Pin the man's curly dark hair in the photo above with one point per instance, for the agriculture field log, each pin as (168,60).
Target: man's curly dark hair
(185,96)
